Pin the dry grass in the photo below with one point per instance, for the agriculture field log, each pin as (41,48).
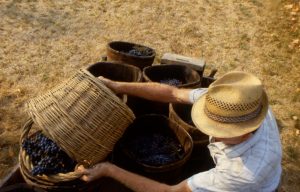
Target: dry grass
(43,42)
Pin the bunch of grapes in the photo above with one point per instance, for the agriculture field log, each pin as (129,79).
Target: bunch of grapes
(140,51)
(172,82)
(155,149)
(135,52)
(46,157)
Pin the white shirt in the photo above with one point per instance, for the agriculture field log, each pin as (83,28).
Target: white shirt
(253,165)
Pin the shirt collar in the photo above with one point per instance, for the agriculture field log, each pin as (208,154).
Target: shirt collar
(232,151)
(219,145)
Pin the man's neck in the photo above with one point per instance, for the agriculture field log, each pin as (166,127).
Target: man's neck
(234,140)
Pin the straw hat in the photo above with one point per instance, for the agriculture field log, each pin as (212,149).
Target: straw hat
(234,105)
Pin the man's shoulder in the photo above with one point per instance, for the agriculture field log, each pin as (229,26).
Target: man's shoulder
(253,159)
(195,94)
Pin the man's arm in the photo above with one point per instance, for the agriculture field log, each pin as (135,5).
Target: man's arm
(150,90)
(131,180)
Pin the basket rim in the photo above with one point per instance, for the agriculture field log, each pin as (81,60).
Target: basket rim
(138,70)
(45,184)
(130,44)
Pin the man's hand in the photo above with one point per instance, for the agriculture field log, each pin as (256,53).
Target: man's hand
(131,180)
(96,172)
(110,84)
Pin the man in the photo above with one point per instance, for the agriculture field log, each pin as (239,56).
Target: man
(244,138)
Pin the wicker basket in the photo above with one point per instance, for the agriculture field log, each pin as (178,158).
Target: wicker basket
(26,164)
(82,116)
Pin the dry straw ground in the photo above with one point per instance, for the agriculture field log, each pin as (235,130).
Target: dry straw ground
(42,42)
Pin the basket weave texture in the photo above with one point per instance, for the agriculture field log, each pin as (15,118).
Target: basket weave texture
(82,116)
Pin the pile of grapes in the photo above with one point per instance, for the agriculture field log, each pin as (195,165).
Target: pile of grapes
(172,82)
(140,51)
(155,149)
(46,157)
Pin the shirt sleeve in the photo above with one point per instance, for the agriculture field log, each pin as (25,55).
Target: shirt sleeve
(195,94)
(218,181)
(202,182)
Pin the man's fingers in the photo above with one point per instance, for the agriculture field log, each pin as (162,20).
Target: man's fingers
(86,173)
(85,178)
(82,170)
(103,79)
(109,83)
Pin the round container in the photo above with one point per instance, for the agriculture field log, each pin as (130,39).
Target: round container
(181,114)
(149,124)
(117,72)
(206,81)
(120,51)
(157,73)
(188,77)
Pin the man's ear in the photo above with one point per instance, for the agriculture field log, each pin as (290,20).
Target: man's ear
(246,136)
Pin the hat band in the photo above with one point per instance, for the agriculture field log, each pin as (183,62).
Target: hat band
(236,119)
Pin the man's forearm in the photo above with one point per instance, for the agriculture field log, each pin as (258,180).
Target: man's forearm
(142,184)
(154,92)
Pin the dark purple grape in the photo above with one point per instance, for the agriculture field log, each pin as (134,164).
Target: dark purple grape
(172,82)
(155,149)
(140,51)
(46,156)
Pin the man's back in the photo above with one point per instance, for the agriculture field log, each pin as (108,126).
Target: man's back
(253,165)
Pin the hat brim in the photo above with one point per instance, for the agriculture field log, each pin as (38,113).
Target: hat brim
(226,130)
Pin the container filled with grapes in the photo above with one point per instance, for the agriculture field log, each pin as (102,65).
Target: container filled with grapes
(156,147)
(172,74)
(130,53)
(42,159)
